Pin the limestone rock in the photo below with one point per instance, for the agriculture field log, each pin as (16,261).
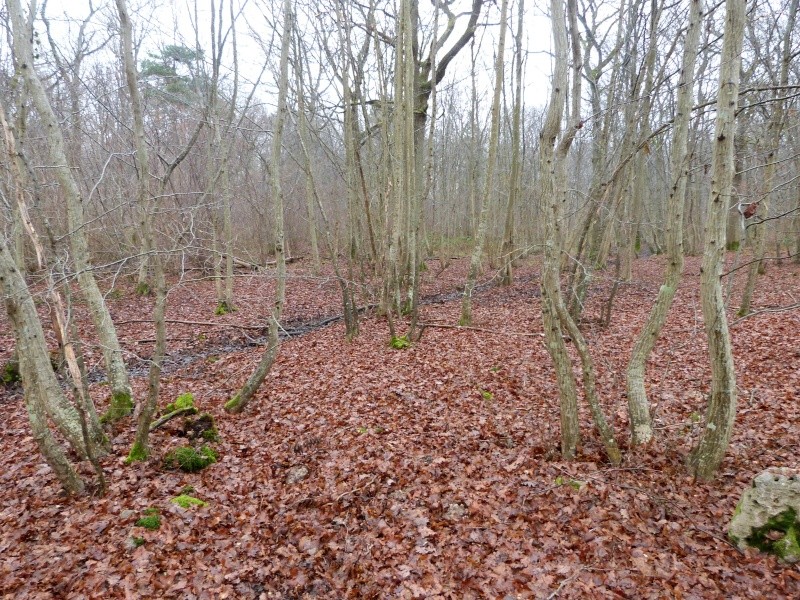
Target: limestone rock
(296,474)
(768,515)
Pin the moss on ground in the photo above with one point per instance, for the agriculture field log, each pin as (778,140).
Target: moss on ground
(9,375)
(190,460)
(223,308)
(201,426)
(150,520)
(138,453)
(187,501)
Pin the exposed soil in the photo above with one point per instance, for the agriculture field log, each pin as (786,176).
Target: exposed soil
(365,472)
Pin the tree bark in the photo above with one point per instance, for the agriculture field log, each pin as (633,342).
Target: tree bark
(551,285)
(705,459)
(491,163)
(121,394)
(43,395)
(508,252)
(774,131)
(638,406)
(239,402)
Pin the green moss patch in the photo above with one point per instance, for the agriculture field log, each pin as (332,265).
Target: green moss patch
(223,308)
(186,501)
(190,460)
(151,519)
(121,406)
(9,375)
(400,342)
(185,400)
(778,536)
(143,289)
(138,453)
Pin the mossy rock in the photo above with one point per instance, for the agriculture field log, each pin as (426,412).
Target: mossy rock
(766,517)
(9,375)
(186,501)
(185,400)
(190,460)
(777,536)
(201,426)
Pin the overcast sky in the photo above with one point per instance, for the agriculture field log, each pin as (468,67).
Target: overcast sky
(161,22)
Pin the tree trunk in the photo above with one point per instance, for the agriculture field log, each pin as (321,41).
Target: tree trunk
(238,403)
(774,131)
(121,395)
(638,406)
(488,192)
(705,459)
(43,395)
(508,252)
(551,299)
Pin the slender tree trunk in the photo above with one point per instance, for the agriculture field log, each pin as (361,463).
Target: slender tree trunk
(774,131)
(705,459)
(488,192)
(238,403)
(121,395)
(508,252)
(551,285)
(140,449)
(43,395)
(638,406)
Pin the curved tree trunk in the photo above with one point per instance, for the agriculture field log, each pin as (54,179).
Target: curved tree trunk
(638,406)
(121,395)
(552,301)
(705,459)
(43,395)
(238,403)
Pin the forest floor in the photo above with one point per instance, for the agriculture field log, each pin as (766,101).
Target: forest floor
(360,471)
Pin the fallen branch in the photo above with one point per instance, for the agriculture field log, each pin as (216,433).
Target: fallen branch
(238,262)
(189,410)
(766,310)
(444,326)
(204,323)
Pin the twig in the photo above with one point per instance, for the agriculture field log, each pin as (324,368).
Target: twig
(358,489)
(565,582)
(152,340)
(205,323)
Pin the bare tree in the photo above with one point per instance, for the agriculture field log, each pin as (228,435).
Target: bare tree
(772,142)
(121,399)
(240,400)
(638,407)
(491,165)
(707,456)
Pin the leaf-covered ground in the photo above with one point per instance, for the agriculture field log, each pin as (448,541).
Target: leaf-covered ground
(366,472)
